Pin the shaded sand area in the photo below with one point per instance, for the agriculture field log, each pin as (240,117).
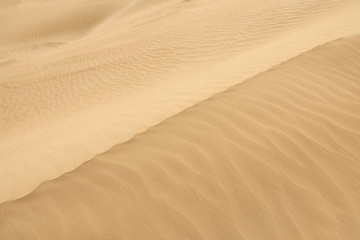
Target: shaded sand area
(275,157)
(78,77)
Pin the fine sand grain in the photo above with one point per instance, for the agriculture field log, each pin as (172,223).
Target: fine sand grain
(275,157)
(78,77)
(180,119)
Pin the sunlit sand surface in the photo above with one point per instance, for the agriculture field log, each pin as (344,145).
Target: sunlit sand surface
(169,119)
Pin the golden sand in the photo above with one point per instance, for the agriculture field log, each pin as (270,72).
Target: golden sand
(231,119)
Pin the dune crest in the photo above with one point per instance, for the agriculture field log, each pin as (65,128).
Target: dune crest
(65,103)
(275,157)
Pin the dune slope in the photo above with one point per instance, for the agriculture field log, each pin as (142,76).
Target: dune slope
(76,78)
(275,157)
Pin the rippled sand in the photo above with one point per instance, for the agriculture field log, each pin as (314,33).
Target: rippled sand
(231,119)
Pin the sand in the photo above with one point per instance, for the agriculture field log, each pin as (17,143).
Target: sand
(231,119)
(275,157)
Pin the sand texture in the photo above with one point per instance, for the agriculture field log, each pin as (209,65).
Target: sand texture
(172,119)
(276,157)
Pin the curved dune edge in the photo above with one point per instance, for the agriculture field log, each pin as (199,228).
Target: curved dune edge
(275,157)
(32,25)
(80,99)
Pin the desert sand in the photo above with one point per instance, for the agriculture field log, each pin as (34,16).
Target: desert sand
(161,119)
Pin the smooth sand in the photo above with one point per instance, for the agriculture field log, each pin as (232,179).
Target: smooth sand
(275,157)
(80,77)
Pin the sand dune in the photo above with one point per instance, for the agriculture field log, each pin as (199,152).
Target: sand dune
(224,119)
(80,77)
(275,157)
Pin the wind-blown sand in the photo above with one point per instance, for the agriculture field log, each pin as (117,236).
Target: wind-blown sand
(273,157)
(75,83)
(276,157)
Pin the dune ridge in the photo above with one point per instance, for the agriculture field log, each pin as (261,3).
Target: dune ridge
(62,106)
(275,157)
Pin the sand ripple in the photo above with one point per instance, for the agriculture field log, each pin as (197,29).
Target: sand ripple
(80,77)
(275,157)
